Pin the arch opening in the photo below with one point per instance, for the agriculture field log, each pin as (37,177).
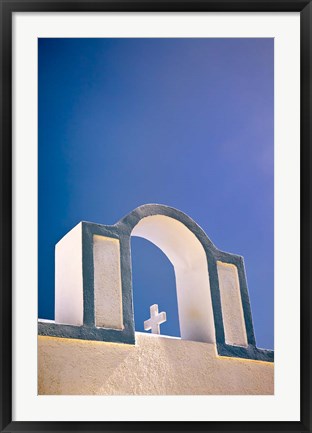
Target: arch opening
(153,282)
(189,261)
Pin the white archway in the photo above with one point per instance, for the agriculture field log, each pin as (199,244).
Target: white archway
(95,283)
(189,260)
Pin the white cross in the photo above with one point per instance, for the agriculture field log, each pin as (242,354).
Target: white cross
(155,320)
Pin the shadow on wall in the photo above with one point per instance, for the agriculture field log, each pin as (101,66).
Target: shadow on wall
(156,365)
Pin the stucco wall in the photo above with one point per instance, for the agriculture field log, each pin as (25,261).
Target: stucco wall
(156,365)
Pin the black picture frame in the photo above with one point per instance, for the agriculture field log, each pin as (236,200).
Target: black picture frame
(7,9)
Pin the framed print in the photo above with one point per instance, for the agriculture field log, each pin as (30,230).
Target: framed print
(155,216)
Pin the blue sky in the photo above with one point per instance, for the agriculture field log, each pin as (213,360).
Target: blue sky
(182,122)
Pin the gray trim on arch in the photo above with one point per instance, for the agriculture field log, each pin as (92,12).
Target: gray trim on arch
(122,231)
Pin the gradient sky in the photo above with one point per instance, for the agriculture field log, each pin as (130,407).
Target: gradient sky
(182,122)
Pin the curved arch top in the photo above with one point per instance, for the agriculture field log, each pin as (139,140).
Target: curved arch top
(129,221)
(212,291)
